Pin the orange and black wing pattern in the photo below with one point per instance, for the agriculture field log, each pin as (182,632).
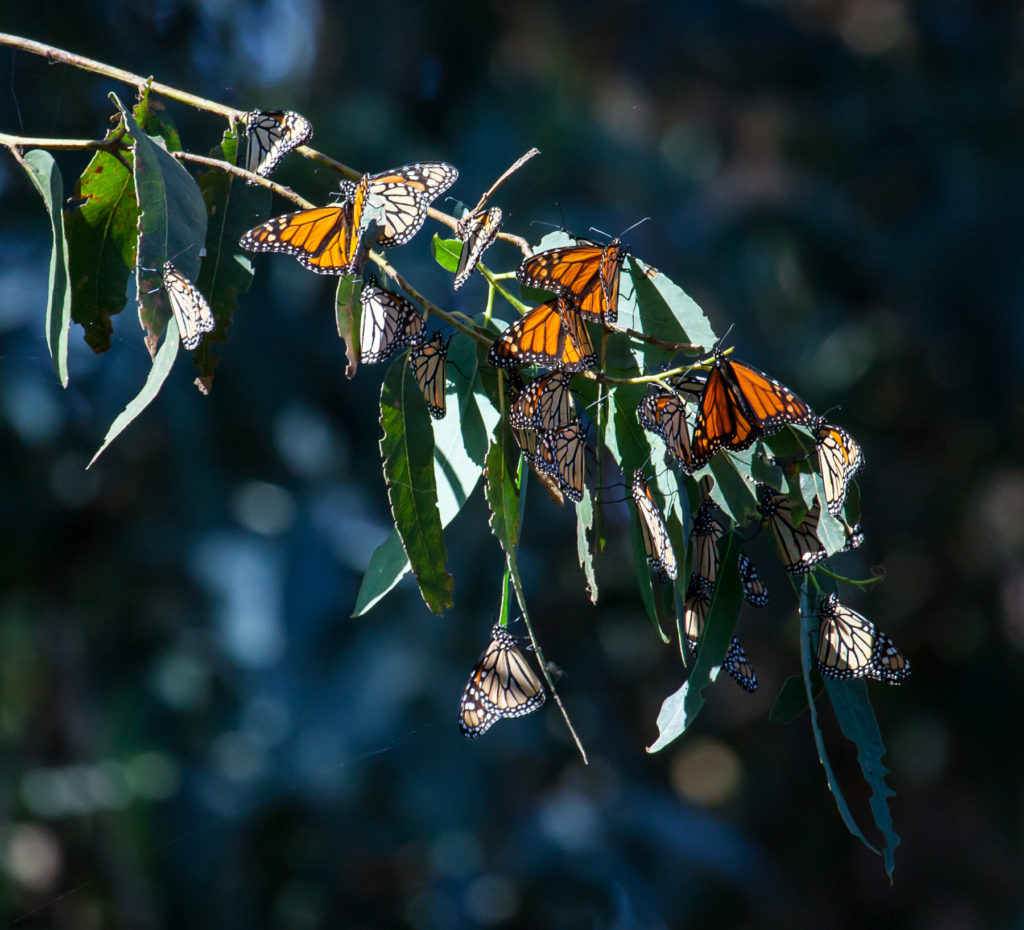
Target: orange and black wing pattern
(545,403)
(551,335)
(664,414)
(738,406)
(560,453)
(325,240)
(585,275)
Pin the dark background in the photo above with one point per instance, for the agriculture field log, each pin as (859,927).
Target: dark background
(195,733)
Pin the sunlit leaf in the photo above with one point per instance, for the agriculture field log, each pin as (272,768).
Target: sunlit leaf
(157,375)
(584,523)
(346,316)
(103,233)
(172,224)
(45,175)
(446,252)
(407,450)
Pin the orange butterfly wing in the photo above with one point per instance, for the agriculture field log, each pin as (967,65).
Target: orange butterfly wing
(548,335)
(325,240)
(586,275)
(720,423)
(770,403)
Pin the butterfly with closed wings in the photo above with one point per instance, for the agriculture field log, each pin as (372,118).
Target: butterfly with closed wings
(190,308)
(849,646)
(839,459)
(501,685)
(796,541)
(658,547)
(388,322)
(429,362)
(477,231)
(696,606)
(270,135)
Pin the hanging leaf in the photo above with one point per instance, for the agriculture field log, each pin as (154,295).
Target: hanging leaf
(45,175)
(407,449)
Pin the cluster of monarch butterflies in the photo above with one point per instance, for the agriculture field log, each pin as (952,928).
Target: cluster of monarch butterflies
(722,405)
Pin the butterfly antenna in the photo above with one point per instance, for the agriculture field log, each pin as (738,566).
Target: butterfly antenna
(634,226)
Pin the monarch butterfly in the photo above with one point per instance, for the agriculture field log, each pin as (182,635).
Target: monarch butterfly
(696,605)
(754,591)
(388,322)
(738,406)
(403,194)
(839,458)
(586,274)
(660,555)
(551,334)
(664,413)
(738,665)
(326,240)
(501,685)
(477,232)
(429,362)
(545,403)
(189,306)
(705,533)
(798,546)
(270,135)
(849,646)
(560,453)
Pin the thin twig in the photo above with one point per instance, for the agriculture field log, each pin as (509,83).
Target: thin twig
(512,169)
(285,192)
(428,305)
(541,661)
(661,343)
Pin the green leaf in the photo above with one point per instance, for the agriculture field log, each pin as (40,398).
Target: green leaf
(732,491)
(226,271)
(681,708)
(667,311)
(446,252)
(501,492)
(585,522)
(643,574)
(455,472)
(157,375)
(792,699)
(462,438)
(45,175)
(857,720)
(626,440)
(831,531)
(387,567)
(407,449)
(172,224)
(102,233)
(347,318)
(808,647)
